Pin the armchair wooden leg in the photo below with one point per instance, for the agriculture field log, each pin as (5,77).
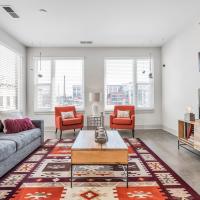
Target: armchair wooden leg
(60,134)
(56,131)
(74,132)
(133,133)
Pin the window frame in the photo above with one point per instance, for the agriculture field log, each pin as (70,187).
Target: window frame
(19,78)
(53,59)
(135,84)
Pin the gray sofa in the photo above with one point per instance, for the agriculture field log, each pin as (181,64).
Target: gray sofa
(17,146)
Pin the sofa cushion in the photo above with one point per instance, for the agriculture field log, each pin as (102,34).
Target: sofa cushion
(122,121)
(7,148)
(22,138)
(67,122)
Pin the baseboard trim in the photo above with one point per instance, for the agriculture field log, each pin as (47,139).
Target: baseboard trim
(138,127)
(170,130)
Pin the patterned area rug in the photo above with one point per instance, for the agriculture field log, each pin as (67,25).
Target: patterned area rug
(45,175)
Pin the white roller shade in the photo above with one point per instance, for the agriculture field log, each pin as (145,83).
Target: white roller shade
(118,82)
(10,67)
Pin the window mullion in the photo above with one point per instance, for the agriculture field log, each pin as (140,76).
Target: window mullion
(135,82)
(52,83)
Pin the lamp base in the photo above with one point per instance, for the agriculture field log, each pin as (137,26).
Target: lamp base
(95,109)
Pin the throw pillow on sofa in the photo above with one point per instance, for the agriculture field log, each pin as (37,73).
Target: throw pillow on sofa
(18,125)
(8,115)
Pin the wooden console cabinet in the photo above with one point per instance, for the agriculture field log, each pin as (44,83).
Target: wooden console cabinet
(189,134)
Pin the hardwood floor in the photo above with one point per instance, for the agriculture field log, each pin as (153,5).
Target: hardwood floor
(183,162)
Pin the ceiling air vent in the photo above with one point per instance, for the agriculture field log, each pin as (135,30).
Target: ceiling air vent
(86,42)
(10,11)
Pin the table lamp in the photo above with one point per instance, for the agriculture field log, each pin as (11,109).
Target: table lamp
(189,116)
(94,98)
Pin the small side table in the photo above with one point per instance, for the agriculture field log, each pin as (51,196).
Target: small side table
(94,121)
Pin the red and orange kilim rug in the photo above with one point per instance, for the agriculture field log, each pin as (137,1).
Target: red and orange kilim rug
(45,175)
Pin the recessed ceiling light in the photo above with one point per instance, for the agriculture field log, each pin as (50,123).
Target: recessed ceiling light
(43,10)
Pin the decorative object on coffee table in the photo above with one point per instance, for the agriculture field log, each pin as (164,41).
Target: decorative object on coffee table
(101,136)
(94,121)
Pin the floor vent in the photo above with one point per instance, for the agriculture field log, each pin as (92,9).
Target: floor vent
(86,42)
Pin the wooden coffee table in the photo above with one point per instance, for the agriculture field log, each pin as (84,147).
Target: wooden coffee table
(85,151)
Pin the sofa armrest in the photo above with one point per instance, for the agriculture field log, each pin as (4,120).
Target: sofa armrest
(39,124)
(79,115)
(132,117)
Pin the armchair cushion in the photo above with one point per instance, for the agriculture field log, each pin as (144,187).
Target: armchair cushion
(122,121)
(71,121)
(67,115)
(123,114)
(124,108)
(60,109)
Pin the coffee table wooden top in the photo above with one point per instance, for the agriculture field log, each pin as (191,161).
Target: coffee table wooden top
(86,141)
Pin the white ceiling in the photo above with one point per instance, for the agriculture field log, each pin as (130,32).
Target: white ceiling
(105,22)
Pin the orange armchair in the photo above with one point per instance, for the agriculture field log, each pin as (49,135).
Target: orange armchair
(70,123)
(123,123)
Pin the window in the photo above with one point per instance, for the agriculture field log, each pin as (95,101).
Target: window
(118,82)
(128,81)
(58,82)
(10,70)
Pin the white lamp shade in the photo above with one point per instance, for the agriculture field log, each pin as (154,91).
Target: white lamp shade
(188,109)
(94,97)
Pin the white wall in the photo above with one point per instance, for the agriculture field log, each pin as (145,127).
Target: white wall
(94,77)
(13,44)
(180,77)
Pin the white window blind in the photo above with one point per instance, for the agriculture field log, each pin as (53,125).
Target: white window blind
(10,68)
(59,82)
(127,81)
(118,82)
